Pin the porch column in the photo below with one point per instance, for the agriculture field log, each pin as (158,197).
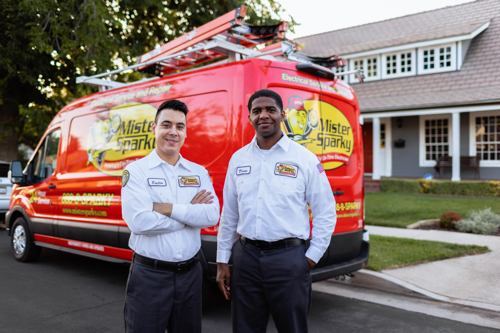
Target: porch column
(455,167)
(376,149)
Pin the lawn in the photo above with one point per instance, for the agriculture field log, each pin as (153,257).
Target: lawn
(401,209)
(393,252)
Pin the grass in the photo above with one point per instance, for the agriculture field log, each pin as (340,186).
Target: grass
(393,252)
(400,209)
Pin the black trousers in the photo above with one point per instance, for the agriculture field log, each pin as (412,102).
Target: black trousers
(276,282)
(158,300)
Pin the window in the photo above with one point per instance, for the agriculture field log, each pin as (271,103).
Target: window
(44,161)
(382,135)
(341,69)
(485,135)
(437,59)
(398,64)
(435,138)
(369,66)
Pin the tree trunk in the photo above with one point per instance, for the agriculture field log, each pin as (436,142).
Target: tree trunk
(9,135)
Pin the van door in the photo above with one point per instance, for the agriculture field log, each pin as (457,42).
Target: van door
(43,193)
(342,152)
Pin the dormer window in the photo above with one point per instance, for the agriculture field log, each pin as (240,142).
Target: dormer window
(398,64)
(435,59)
(370,67)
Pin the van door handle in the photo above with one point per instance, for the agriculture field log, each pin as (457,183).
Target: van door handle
(51,186)
(338,192)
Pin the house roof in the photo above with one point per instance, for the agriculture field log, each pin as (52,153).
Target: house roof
(478,80)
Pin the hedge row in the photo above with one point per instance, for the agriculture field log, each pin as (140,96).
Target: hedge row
(486,189)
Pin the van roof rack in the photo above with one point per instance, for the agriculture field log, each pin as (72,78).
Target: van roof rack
(227,36)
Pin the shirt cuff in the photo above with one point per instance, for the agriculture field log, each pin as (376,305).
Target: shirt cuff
(223,256)
(314,254)
(179,212)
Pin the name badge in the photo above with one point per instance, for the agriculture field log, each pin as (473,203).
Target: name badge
(244,170)
(189,181)
(287,170)
(157,182)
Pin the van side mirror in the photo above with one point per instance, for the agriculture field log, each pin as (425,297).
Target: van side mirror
(16,172)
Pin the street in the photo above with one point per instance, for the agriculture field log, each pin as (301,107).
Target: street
(62,292)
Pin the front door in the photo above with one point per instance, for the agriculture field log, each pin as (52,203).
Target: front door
(368,146)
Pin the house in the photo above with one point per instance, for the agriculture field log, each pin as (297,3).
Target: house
(432,88)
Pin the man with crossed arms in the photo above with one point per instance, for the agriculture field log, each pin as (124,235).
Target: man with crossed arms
(166,200)
(268,185)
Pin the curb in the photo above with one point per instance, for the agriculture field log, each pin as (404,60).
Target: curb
(401,283)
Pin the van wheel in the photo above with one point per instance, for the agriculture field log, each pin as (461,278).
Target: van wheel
(21,242)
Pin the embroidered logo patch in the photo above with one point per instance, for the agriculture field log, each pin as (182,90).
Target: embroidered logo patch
(157,182)
(287,170)
(125,177)
(244,170)
(189,181)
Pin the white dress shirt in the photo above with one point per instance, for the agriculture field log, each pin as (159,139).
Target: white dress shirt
(266,195)
(174,238)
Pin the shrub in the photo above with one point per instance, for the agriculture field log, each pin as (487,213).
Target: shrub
(427,185)
(495,188)
(480,222)
(448,219)
(399,185)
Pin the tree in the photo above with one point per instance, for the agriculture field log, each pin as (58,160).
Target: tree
(46,44)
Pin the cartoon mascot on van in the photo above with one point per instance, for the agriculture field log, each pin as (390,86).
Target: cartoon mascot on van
(299,122)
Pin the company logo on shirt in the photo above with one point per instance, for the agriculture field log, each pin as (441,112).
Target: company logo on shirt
(286,170)
(189,181)
(328,134)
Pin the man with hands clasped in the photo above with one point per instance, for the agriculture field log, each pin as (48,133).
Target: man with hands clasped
(265,222)
(166,200)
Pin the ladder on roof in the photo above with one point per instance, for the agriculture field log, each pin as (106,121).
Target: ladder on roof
(227,36)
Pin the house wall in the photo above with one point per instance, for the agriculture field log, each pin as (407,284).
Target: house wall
(405,161)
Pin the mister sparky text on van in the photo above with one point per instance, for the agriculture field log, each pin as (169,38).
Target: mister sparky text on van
(68,196)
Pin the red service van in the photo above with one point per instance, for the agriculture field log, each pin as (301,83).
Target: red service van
(68,196)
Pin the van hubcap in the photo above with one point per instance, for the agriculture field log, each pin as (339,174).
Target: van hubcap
(19,240)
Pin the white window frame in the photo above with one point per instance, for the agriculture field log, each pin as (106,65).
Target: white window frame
(472,136)
(399,73)
(437,69)
(354,79)
(422,161)
(342,69)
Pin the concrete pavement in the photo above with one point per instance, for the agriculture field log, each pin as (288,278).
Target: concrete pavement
(470,280)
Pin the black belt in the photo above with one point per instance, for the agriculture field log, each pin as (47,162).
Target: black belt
(263,245)
(165,265)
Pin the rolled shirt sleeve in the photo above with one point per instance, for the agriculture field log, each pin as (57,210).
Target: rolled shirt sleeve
(137,207)
(320,197)
(199,215)
(227,233)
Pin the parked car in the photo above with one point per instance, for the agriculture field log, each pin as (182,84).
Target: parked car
(5,187)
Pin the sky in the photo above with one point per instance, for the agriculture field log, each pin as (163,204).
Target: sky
(317,16)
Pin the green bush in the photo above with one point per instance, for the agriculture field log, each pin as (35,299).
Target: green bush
(399,185)
(479,189)
(480,222)
(448,219)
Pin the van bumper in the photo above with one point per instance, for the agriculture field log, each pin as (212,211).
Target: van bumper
(348,252)
(355,264)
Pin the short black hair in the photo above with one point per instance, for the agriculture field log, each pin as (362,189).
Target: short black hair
(266,93)
(172,104)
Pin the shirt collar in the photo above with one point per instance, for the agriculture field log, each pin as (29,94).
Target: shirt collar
(154,160)
(284,142)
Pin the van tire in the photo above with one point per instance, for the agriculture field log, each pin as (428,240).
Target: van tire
(21,242)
